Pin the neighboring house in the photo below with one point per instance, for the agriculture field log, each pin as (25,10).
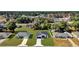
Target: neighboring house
(62,35)
(62,19)
(4,35)
(59,17)
(2,26)
(42,35)
(23,34)
(30,25)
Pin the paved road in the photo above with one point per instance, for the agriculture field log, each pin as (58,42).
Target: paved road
(38,43)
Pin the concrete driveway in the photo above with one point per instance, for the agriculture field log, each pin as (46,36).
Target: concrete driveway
(24,42)
(38,43)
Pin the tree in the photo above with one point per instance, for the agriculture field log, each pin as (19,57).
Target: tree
(23,19)
(75,24)
(60,26)
(11,26)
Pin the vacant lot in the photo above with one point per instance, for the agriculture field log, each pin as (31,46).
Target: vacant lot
(76,41)
(61,42)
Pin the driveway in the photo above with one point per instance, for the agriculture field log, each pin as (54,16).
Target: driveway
(38,43)
(23,42)
(2,40)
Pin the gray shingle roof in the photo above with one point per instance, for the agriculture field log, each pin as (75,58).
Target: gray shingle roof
(23,34)
(62,35)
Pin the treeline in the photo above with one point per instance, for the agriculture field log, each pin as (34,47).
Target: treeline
(34,13)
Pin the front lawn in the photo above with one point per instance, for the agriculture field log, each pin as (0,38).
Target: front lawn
(11,42)
(48,42)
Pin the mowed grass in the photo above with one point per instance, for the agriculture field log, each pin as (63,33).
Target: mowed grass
(11,42)
(48,42)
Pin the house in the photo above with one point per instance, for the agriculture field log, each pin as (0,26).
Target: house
(2,26)
(4,35)
(62,35)
(59,17)
(62,19)
(23,34)
(42,35)
(30,25)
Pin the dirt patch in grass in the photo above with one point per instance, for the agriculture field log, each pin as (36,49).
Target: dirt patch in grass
(62,42)
(76,41)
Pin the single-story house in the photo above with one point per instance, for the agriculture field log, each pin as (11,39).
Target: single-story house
(62,35)
(23,34)
(42,35)
(2,26)
(4,35)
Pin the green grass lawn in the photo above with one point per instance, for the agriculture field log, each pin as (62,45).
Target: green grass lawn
(11,41)
(48,42)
